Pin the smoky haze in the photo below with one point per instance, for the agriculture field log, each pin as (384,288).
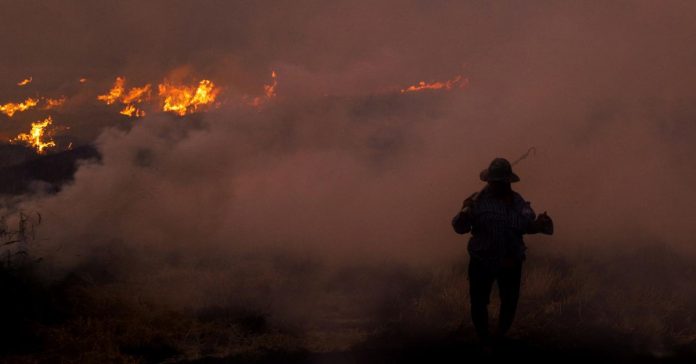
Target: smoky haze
(341,167)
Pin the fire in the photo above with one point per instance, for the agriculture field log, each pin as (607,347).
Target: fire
(114,93)
(54,103)
(134,96)
(35,137)
(83,80)
(131,111)
(446,85)
(268,90)
(11,108)
(24,82)
(181,99)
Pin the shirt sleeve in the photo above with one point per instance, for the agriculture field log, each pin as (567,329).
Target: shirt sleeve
(462,222)
(528,212)
(529,216)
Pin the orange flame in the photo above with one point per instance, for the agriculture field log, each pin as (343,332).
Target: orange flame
(131,110)
(83,80)
(268,90)
(54,103)
(35,137)
(446,85)
(135,95)
(181,99)
(24,82)
(11,108)
(114,93)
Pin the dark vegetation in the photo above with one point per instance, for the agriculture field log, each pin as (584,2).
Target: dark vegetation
(21,168)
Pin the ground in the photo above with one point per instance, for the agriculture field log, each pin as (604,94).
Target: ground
(572,310)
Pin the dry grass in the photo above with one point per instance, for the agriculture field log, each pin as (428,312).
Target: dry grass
(640,302)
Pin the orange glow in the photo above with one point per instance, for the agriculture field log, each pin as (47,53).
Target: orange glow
(83,80)
(35,137)
(268,90)
(131,110)
(114,93)
(11,108)
(136,95)
(54,103)
(24,82)
(129,99)
(182,99)
(446,85)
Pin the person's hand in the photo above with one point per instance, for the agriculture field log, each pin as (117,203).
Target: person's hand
(544,224)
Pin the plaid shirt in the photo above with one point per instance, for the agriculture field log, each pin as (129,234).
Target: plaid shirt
(496,227)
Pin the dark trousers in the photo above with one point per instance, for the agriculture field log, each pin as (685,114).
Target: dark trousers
(481,279)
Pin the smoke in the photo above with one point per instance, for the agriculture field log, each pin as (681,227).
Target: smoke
(341,169)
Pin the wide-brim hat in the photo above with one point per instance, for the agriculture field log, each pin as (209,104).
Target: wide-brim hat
(499,170)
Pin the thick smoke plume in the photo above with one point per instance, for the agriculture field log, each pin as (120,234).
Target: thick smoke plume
(343,170)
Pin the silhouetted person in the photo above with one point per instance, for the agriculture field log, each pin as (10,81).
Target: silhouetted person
(497,217)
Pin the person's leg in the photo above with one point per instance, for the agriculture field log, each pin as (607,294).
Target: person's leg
(480,285)
(509,279)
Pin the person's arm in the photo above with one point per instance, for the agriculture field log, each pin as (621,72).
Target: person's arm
(462,220)
(528,214)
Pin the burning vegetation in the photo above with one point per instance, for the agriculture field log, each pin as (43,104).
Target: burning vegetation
(457,81)
(130,111)
(38,137)
(25,81)
(50,103)
(176,98)
(186,99)
(268,90)
(129,100)
(114,93)
(11,108)
(179,98)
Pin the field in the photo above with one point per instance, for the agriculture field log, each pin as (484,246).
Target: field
(633,306)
